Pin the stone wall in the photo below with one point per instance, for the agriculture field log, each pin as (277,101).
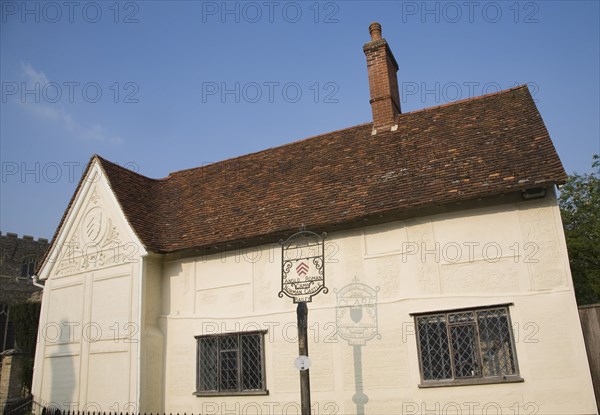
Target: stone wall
(11,374)
(15,253)
(19,258)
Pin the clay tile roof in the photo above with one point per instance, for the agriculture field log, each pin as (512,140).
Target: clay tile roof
(475,148)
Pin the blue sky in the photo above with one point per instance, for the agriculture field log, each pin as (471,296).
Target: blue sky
(162,86)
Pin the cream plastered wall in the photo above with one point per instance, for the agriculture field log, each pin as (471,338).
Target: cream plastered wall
(87,353)
(511,253)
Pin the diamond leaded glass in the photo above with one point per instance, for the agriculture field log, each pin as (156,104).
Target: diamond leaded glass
(466,344)
(251,363)
(207,356)
(435,353)
(230,363)
(464,351)
(495,342)
(229,370)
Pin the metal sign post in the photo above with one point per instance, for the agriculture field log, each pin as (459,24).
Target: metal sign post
(303,277)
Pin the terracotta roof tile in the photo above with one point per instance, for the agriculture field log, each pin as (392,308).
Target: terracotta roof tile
(456,152)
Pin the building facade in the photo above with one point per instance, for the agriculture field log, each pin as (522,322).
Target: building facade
(18,260)
(447,284)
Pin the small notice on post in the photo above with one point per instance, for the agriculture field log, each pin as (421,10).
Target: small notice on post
(302,363)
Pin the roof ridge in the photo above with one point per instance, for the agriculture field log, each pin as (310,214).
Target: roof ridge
(266,149)
(104,161)
(462,101)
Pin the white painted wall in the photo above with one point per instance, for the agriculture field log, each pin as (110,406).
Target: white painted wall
(511,253)
(87,352)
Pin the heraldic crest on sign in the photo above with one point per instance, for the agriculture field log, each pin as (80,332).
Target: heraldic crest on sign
(303,266)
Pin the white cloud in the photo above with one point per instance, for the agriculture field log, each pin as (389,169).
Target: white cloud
(55,112)
(33,76)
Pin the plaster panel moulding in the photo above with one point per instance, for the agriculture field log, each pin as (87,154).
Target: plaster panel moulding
(96,242)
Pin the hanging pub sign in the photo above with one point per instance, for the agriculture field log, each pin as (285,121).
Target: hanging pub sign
(303,266)
(356,313)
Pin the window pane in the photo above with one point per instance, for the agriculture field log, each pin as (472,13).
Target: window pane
(229,370)
(228,342)
(7,332)
(207,354)
(464,349)
(466,344)
(231,363)
(433,341)
(31,269)
(465,317)
(2,330)
(251,362)
(495,341)
(27,267)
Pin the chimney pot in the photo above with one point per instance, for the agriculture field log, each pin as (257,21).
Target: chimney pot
(375,31)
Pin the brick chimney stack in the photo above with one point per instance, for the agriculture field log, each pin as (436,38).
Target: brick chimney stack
(383,83)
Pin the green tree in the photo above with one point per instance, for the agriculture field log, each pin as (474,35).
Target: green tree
(579,203)
(25,318)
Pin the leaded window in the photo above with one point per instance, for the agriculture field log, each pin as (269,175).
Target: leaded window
(7,335)
(466,346)
(28,267)
(231,364)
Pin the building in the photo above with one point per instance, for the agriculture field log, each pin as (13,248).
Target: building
(448,277)
(18,260)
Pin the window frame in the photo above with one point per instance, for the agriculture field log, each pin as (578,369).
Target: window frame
(7,331)
(28,265)
(239,392)
(482,379)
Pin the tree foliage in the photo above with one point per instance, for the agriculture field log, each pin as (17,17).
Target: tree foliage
(579,203)
(25,318)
